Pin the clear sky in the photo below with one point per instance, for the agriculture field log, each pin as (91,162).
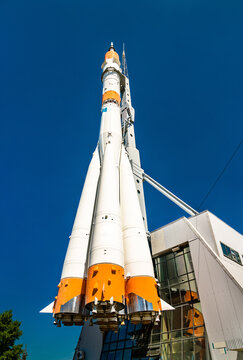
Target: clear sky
(185,61)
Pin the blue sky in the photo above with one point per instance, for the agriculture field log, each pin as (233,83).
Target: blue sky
(185,61)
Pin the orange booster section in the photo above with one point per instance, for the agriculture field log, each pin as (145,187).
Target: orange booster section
(142,289)
(69,306)
(69,290)
(105,283)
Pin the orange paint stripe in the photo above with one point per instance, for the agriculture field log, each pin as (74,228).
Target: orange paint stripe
(111,95)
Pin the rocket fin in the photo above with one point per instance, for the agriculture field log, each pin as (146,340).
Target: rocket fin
(165,306)
(48,309)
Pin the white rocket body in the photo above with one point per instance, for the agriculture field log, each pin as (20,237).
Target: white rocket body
(110,128)
(108,271)
(107,223)
(105,283)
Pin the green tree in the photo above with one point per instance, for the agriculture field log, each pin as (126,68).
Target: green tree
(9,333)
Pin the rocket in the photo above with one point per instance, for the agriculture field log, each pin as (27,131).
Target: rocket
(108,273)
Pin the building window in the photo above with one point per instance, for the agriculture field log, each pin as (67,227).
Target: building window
(231,254)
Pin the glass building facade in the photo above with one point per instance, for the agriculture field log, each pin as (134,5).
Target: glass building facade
(122,345)
(180,334)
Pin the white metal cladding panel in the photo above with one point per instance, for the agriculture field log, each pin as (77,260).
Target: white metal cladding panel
(226,234)
(202,223)
(74,264)
(221,299)
(170,236)
(235,269)
(206,223)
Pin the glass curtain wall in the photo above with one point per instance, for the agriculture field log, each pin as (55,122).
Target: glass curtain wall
(180,334)
(126,343)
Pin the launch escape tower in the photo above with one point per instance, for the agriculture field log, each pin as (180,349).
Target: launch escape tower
(133,305)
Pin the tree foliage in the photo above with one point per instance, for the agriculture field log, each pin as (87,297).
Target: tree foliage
(9,333)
